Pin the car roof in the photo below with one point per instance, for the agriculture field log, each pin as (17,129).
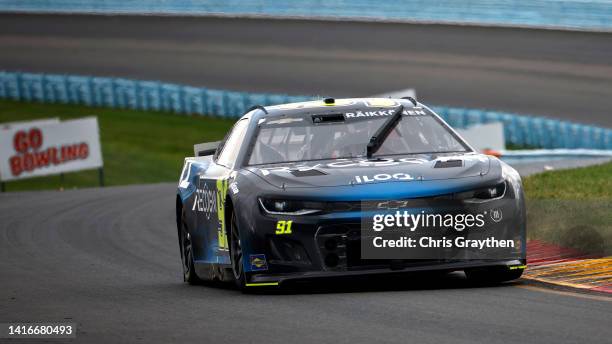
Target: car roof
(338,105)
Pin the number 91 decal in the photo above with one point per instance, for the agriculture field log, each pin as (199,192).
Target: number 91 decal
(283,227)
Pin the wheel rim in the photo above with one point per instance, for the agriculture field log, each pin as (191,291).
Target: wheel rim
(236,250)
(186,251)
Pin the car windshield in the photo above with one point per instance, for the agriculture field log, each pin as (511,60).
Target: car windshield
(291,139)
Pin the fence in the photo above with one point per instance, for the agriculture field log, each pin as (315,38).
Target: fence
(157,96)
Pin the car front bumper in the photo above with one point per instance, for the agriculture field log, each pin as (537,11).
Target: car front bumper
(263,279)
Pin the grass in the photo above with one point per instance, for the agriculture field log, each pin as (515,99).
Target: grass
(572,208)
(138,147)
(588,183)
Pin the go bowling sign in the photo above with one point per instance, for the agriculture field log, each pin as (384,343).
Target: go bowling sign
(40,148)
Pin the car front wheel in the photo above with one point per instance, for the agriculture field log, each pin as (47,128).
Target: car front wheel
(189,274)
(236,254)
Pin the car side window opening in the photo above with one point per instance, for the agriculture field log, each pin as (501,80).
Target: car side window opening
(231,146)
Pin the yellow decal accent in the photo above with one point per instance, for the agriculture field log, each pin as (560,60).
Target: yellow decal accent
(311,104)
(221,194)
(283,227)
(517,267)
(261,284)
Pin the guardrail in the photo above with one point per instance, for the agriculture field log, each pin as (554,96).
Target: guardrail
(534,13)
(532,131)
(519,130)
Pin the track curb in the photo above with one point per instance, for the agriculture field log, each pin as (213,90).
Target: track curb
(567,268)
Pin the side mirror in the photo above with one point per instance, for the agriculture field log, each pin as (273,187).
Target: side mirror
(205,149)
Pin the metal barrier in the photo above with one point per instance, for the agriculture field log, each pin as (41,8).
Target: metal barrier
(526,131)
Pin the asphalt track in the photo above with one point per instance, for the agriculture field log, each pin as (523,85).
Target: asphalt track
(108,259)
(559,74)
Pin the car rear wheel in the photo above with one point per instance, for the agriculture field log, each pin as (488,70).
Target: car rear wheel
(493,274)
(189,274)
(236,254)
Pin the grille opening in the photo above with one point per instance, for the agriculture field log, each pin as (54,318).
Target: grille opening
(288,251)
(332,260)
(331,244)
(348,251)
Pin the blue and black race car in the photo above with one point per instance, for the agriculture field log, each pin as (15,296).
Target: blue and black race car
(288,193)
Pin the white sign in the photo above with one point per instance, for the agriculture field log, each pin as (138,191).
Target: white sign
(485,136)
(52,147)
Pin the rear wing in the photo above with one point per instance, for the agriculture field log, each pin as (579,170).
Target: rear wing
(205,149)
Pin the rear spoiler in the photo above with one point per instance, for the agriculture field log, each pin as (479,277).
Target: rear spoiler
(205,149)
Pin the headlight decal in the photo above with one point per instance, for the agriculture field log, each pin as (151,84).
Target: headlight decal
(290,207)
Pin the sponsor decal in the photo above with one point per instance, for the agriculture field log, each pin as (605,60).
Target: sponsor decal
(205,201)
(258,262)
(383,113)
(234,188)
(221,233)
(344,163)
(383,177)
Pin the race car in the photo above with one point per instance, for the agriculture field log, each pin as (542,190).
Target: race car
(284,195)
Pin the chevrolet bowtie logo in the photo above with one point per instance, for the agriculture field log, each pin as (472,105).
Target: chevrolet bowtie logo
(392,204)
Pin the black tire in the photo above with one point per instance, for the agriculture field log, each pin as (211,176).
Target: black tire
(186,248)
(236,255)
(493,274)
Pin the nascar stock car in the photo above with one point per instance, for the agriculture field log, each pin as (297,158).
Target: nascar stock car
(283,196)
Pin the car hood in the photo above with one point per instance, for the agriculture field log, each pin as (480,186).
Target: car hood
(360,171)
